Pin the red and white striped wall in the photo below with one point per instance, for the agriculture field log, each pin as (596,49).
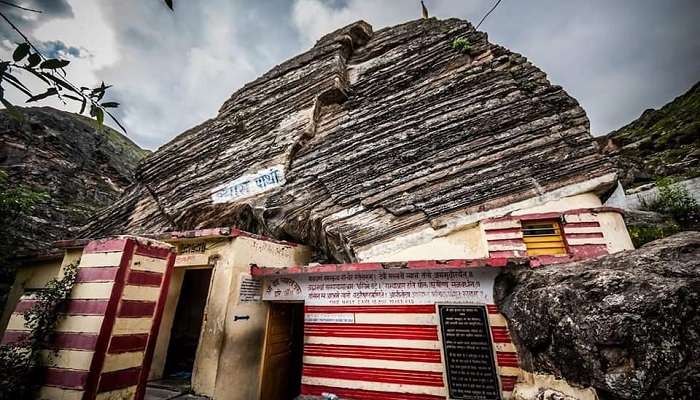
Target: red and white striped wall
(105,340)
(388,352)
(583,234)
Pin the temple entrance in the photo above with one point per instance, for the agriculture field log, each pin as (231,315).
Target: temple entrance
(187,325)
(284,343)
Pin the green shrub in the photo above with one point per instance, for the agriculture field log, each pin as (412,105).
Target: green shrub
(462,45)
(20,367)
(644,234)
(675,200)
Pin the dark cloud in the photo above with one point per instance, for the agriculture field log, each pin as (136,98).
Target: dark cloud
(26,21)
(57,49)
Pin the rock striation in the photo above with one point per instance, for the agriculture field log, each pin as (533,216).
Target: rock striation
(378,135)
(625,324)
(63,155)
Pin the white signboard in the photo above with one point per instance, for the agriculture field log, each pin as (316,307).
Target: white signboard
(385,287)
(249,185)
(250,290)
(338,318)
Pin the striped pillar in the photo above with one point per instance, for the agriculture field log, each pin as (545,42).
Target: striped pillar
(389,353)
(106,338)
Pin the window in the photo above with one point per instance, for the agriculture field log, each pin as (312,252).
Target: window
(543,238)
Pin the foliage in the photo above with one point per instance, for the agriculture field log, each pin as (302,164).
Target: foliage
(14,202)
(28,62)
(644,234)
(20,362)
(462,45)
(675,200)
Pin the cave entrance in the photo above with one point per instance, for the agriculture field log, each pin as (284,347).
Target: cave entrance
(187,325)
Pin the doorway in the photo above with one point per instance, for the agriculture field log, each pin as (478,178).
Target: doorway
(187,325)
(284,348)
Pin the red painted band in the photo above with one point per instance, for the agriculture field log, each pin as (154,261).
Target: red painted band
(372,353)
(591,224)
(507,359)
(359,394)
(105,246)
(508,383)
(136,308)
(506,254)
(71,307)
(65,378)
(408,309)
(376,331)
(74,341)
(500,334)
(514,242)
(152,251)
(126,343)
(383,375)
(144,278)
(15,337)
(589,235)
(492,308)
(119,379)
(501,230)
(97,274)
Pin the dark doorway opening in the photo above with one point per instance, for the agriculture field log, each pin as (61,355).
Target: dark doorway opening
(187,325)
(284,349)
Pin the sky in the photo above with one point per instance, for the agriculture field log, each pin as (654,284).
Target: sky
(172,70)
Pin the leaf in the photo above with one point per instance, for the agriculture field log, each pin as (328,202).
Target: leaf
(50,92)
(169,3)
(100,116)
(54,63)
(16,83)
(60,82)
(116,121)
(12,110)
(110,104)
(34,60)
(21,51)
(37,74)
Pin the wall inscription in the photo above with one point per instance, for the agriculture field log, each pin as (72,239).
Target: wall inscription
(249,185)
(469,360)
(251,290)
(384,287)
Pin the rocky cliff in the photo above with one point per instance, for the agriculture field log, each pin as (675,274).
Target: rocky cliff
(660,143)
(626,324)
(63,155)
(368,139)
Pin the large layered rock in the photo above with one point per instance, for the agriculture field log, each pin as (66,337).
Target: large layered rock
(64,156)
(381,135)
(626,324)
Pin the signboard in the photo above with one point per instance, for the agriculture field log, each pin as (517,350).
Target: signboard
(337,318)
(384,287)
(469,360)
(249,185)
(250,291)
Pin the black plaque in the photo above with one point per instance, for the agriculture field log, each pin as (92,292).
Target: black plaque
(466,341)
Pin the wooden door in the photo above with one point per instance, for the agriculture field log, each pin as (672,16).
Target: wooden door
(282,364)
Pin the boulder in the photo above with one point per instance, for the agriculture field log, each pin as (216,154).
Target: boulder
(625,324)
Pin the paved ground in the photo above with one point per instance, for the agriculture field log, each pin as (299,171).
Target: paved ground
(170,389)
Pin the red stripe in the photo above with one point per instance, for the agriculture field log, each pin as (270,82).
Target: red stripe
(119,379)
(492,308)
(500,334)
(508,383)
(502,230)
(74,341)
(588,250)
(358,394)
(71,307)
(65,378)
(374,375)
(414,309)
(124,343)
(507,359)
(593,224)
(376,331)
(507,253)
(154,252)
(144,278)
(589,235)
(14,337)
(136,308)
(514,242)
(372,353)
(105,245)
(97,274)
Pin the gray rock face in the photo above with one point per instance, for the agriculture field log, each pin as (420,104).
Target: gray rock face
(380,134)
(63,155)
(626,324)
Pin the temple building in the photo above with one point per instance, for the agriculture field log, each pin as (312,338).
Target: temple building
(338,228)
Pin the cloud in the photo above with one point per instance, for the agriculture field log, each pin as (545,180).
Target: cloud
(171,71)
(57,49)
(27,21)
